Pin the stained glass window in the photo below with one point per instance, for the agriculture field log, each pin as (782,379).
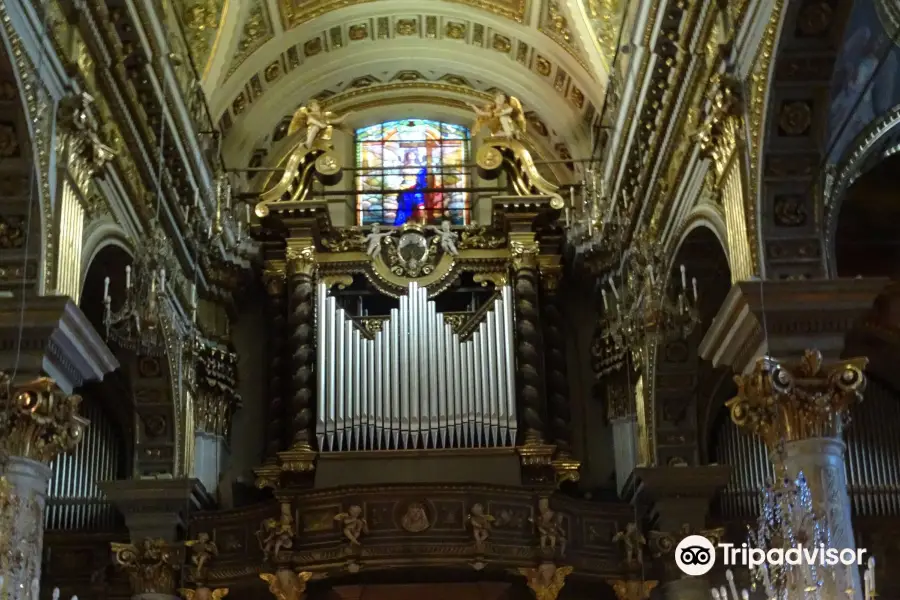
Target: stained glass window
(412,171)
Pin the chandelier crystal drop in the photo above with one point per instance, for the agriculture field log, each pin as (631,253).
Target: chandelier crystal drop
(138,324)
(788,520)
(594,223)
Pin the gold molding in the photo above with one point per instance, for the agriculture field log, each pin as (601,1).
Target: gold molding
(307,10)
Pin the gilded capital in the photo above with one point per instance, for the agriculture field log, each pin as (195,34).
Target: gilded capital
(546,580)
(301,260)
(524,254)
(151,565)
(38,420)
(796,400)
(285,584)
(632,589)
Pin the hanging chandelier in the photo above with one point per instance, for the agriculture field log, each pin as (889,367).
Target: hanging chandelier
(138,324)
(227,215)
(639,303)
(787,520)
(595,225)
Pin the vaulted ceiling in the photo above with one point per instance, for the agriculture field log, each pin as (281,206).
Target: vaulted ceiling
(264,58)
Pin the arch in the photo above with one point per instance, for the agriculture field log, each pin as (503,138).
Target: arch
(878,141)
(146,381)
(792,134)
(98,235)
(332,75)
(24,254)
(685,385)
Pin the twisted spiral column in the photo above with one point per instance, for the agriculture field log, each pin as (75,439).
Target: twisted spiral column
(558,407)
(302,325)
(277,322)
(529,343)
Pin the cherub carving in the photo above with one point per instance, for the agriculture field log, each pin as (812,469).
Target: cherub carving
(285,584)
(447,237)
(481,524)
(319,123)
(353,523)
(203,593)
(503,116)
(276,534)
(633,542)
(547,580)
(374,240)
(203,550)
(549,525)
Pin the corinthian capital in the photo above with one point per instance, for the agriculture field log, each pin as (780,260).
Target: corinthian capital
(301,260)
(151,565)
(38,420)
(796,400)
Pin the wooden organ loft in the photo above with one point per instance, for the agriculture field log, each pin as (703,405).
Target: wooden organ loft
(417,338)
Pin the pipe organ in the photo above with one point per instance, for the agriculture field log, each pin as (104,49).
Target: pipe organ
(74,500)
(415,383)
(871,465)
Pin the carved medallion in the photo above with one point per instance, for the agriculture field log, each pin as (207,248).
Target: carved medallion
(415,520)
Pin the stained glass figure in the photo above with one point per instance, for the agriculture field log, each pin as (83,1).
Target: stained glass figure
(412,171)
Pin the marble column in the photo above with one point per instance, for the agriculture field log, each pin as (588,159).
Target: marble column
(38,421)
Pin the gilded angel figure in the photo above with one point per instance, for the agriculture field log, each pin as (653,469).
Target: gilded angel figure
(503,116)
(319,123)
(354,524)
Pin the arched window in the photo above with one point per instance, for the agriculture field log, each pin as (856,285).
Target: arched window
(412,170)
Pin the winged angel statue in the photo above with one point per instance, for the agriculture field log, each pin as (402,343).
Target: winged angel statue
(503,116)
(318,122)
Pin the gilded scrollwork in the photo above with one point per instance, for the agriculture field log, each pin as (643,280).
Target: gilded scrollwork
(478,237)
(524,254)
(345,239)
(301,259)
(546,580)
(800,399)
(285,584)
(40,421)
(151,564)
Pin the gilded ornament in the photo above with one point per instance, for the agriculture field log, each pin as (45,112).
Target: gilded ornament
(285,584)
(345,239)
(633,543)
(503,117)
(795,118)
(488,158)
(203,550)
(151,565)
(577,98)
(557,22)
(39,421)
(455,31)
(796,400)
(410,254)
(312,47)
(547,580)
(789,211)
(203,593)
(415,519)
(272,72)
(358,32)
(524,255)
(480,522)
(478,237)
(255,32)
(353,524)
(318,123)
(543,66)
(633,589)
(9,142)
(550,530)
(12,232)
(501,43)
(456,321)
(300,260)
(275,535)
(407,27)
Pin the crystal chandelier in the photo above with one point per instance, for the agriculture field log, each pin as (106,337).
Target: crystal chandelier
(138,324)
(227,215)
(788,520)
(639,303)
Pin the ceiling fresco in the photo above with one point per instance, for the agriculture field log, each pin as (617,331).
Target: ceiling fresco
(866,81)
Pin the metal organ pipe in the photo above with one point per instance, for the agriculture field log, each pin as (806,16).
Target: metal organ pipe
(872,462)
(74,501)
(415,384)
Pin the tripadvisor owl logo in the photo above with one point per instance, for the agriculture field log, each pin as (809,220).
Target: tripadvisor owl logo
(695,555)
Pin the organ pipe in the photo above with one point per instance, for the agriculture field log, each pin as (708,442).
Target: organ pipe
(415,383)
(871,460)
(74,500)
